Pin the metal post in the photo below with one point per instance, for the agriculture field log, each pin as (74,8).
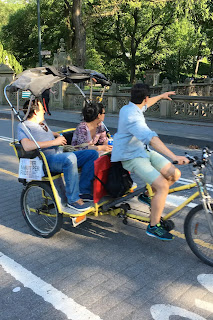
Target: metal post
(39,33)
(211,66)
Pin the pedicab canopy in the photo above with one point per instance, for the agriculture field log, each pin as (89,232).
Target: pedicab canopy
(39,79)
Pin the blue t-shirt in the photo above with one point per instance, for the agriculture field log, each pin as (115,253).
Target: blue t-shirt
(39,133)
(133,134)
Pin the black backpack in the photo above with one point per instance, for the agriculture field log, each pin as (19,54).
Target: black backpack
(119,180)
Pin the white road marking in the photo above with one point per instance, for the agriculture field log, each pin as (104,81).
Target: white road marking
(60,301)
(184,181)
(164,311)
(6,139)
(175,201)
(206,280)
(208,306)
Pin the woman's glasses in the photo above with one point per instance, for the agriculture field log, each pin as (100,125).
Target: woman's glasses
(44,127)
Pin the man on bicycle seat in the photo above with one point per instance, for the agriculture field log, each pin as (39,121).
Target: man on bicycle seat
(131,147)
(76,191)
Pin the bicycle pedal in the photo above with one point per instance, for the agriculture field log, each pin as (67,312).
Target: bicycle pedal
(168,225)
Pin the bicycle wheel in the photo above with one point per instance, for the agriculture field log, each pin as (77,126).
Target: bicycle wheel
(39,209)
(198,235)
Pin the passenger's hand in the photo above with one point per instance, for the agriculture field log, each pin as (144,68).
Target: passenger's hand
(105,147)
(180,160)
(60,141)
(167,95)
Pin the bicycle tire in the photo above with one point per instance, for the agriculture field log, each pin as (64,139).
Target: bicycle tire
(198,236)
(40,210)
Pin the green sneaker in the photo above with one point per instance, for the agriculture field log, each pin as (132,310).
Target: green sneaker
(144,199)
(159,232)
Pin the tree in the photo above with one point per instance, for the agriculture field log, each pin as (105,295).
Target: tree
(15,65)
(59,19)
(121,37)
(20,35)
(132,34)
(79,41)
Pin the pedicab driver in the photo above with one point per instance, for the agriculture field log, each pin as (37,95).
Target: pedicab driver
(76,191)
(131,147)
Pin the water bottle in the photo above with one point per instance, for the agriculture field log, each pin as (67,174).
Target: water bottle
(110,141)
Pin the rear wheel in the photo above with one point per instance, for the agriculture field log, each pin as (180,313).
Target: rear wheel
(39,209)
(198,235)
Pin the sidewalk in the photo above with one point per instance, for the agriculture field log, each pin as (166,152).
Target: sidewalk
(180,132)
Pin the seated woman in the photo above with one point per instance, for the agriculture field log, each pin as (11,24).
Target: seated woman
(91,130)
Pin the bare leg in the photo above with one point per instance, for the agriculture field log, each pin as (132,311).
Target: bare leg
(161,188)
(169,174)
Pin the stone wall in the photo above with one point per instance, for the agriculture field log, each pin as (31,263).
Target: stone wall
(6,76)
(187,104)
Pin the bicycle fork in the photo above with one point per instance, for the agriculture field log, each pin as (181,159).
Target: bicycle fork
(206,201)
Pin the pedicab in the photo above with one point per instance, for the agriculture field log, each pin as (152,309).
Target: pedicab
(43,199)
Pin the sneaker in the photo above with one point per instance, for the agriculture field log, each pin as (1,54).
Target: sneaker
(159,232)
(144,199)
(79,207)
(86,197)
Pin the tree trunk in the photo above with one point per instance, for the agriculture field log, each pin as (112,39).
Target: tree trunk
(79,44)
(68,17)
(132,73)
(197,66)
(198,57)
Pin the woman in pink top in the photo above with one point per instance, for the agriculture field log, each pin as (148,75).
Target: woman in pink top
(91,130)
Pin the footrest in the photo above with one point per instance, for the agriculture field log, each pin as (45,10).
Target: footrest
(78,220)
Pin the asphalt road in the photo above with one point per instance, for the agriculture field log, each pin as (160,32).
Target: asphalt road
(102,269)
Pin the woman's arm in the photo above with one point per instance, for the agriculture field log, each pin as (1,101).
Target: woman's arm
(103,147)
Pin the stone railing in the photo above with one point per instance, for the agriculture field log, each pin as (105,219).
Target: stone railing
(190,108)
(188,88)
(187,104)
(181,107)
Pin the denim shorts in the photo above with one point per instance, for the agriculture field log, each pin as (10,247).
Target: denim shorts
(148,169)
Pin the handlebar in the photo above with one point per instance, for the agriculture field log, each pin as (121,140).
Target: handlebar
(206,153)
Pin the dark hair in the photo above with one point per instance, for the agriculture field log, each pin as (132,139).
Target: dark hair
(34,107)
(91,110)
(139,92)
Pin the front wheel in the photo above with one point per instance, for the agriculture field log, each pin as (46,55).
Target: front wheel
(39,209)
(198,235)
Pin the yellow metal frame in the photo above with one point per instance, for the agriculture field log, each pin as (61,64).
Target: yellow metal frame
(66,130)
(96,209)
(171,213)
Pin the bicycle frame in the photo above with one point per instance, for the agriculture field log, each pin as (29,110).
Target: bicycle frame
(173,212)
(202,193)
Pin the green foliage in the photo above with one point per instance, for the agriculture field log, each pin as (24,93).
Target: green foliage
(124,37)
(7,8)
(14,64)
(137,35)
(21,33)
